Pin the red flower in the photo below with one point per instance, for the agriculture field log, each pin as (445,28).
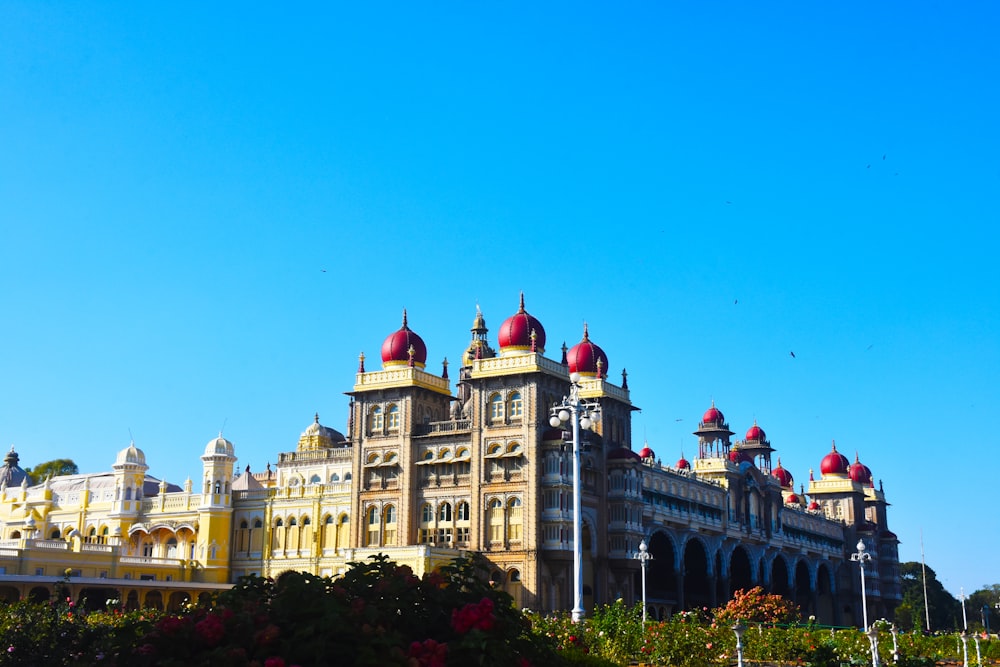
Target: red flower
(428,653)
(171,625)
(210,630)
(473,617)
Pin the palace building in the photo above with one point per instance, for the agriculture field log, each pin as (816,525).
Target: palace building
(427,471)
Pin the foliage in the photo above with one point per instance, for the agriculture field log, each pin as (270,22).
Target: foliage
(756,606)
(53,468)
(945,610)
(379,613)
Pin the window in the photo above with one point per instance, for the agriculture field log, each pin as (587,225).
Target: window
(334,478)
(496,407)
(496,520)
(315,479)
(389,514)
(172,548)
(427,513)
(394,417)
(55,534)
(376,420)
(514,519)
(516,405)
(445,513)
(462,513)
(373,526)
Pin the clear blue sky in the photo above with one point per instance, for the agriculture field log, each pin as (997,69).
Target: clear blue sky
(207,212)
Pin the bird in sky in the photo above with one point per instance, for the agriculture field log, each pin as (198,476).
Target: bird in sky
(793,354)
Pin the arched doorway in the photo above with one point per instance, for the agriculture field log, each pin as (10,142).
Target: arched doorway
(803,598)
(39,594)
(697,590)
(779,577)
(824,596)
(154,600)
(740,572)
(661,576)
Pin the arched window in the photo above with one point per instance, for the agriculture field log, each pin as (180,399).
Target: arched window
(55,534)
(376,420)
(334,478)
(496,408)
(389,519)
(427,513)
(347,477)
(393,421)
(514,520)
(445,512)
(373,527)
(128,493)
(218,486)
(172,548)
(495,520)
(462,512)
(516,405)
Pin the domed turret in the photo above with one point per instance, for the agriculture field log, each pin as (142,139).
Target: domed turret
(11,474)
(834,463)
(131,455)
(404,348)
(479,348)
(646,452)
(784,477)
(683,463)
(713,416)
(859,472)
(219,447)
(521,332)
(756,433)
(792,499)
(586,358)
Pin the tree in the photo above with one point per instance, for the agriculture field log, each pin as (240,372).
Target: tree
(48,469)
(945,610)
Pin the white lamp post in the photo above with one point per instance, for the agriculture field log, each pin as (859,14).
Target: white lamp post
(895,642)
(739,629)
(965,619)
(979,656)
(643,557)
(861,558)
(872,634)
(965,648)
(583,415)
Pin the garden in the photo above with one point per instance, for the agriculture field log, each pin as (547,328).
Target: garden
(380,613)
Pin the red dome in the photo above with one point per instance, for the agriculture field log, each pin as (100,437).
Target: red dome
(756,433)
(783,476)
(682,464)
(792,499)
(738,456)
(647,453)
(834,463)
(515,332)
(713,415)
(814,506)
(587,358)
(396,348)
(859,472)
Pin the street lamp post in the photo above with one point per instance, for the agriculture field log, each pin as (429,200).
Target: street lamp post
(965,648)
(895,642)
(583,415)
(872,634)
(979,655)
(985,613)
(861,558)
(739,629)
(643,557)
(965,619)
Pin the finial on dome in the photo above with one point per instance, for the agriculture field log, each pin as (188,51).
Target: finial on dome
(316,418)
(833,445)
(404,319)
(361,362)
(565,361)
(444,368)
(624,379)
(248,469)
(856,456)
(521,308)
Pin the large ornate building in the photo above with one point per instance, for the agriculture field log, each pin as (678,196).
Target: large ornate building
(426,472)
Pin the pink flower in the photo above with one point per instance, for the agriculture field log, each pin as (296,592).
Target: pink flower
(473,617)
(210,630)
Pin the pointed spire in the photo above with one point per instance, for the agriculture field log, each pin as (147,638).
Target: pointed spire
(521,308)
(811,475)
(565,360)
(405,326)
(316,418)
(586,333)
(444,368)
(361,362)
(624,379)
